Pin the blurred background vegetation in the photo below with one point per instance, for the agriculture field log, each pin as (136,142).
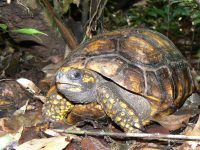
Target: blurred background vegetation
(177,19)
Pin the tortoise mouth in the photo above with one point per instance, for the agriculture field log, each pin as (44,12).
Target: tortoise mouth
(70,85)
(66,86)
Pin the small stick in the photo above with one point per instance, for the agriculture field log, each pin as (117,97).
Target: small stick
(65,31)
(151,136)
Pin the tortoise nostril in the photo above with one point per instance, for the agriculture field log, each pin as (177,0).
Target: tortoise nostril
(59,75)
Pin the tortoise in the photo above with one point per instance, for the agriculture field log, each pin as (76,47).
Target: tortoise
(135,75)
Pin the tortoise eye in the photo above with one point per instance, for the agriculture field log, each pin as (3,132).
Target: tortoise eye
(75,74)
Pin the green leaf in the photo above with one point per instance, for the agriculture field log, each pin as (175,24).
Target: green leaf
(157,11)
(198,53)
(30,31)
(66,4)
(152,13)
(195,15)
(197,78)
(3,26)
(181,11)
(196,21)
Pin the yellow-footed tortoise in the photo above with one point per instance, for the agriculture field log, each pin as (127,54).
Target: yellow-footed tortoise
(136,75)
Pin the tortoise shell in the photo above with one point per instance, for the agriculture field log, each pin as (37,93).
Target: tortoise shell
(141,61)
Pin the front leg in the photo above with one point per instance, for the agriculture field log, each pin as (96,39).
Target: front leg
(128,110)
(56,107)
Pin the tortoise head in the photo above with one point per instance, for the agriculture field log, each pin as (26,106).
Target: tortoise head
(78,85)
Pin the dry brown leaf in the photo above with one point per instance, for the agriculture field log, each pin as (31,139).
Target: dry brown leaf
(9,125)
(195,131)
(174,122)
(29,85)
(32,88)
(13,123)
(189,146)
(192,132)
(149,148)
(92,144)
(54,143)
(12,97)
(147,145)
(33,132)
(21,110)
(156,128)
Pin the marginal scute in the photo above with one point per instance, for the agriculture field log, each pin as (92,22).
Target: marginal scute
(114,33)
(165,78)
(153,85)
(188,81)
(177,79)
(162,43)
(99,45)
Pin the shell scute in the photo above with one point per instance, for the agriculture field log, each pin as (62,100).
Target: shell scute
(108,67)
(140,50)
(165,78)
(134,79)
(98,46)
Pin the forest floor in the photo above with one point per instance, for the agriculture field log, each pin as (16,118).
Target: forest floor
(27,67)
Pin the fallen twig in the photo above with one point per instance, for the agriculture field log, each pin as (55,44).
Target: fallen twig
(65,31)
(151,136)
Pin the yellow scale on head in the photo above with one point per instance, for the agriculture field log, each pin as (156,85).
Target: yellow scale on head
(65,69)
(87,78)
